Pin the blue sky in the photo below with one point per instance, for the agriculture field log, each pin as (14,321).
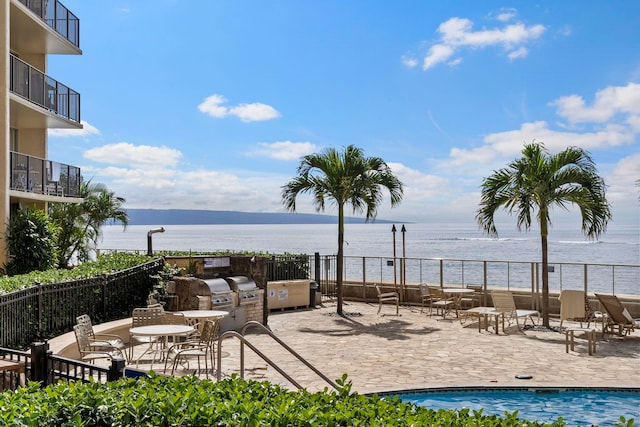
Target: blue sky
(210,105)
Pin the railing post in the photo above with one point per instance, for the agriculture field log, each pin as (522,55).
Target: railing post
(585,278)
(39,308)
(103,302)
(40,362)
(116,369)
(316,266)
(441,274)
(364,278)
(484,284)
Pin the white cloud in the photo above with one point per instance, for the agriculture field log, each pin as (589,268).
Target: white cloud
(254,112)
(409,61)
(437,54)
(211,106)
(518,53)
(614,121)
(506,14)
(124,153)
(284,150)
(608,102)
(87,130)
(457,33)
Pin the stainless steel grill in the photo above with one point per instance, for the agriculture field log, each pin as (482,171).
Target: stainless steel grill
(221,294)
(245,288)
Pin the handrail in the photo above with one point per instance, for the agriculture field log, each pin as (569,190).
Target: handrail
(243,341)
(289,349)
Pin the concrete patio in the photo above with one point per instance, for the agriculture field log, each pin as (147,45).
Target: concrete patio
(413,350)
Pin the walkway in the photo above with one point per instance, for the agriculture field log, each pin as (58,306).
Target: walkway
(388,352)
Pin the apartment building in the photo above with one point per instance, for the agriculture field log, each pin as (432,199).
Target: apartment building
(31,102)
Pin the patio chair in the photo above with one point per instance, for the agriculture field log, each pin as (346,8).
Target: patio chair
(618,315)
(440,301)
(89,351)
(109,340)
(572,306)
(474,299)
(204,347)
(387,296)
(144,316)
(505,304)
(425,296)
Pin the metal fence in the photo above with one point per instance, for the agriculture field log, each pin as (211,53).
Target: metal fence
(604,278)
(45,311)
(41,365)
(288,267)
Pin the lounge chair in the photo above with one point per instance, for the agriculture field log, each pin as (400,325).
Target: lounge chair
(572,306)
(505,304)
(387,296)
(618,315)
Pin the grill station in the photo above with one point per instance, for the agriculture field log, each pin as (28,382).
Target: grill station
(222,296)
(227,283)
(245,288)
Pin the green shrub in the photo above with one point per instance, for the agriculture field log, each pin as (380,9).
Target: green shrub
(105,264)
(31,241)
(187,401)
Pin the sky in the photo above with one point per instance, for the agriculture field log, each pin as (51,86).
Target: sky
(212,104)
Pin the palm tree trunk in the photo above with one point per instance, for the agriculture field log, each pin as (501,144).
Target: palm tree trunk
(340,259)
(545,271)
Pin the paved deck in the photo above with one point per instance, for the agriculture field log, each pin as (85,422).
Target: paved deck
(412,350)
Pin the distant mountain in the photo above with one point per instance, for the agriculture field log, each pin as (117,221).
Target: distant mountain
(195,217)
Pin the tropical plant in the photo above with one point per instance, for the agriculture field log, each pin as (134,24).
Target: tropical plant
(80,223)
(343,177)
(160,400)
(31,242)
(539,181)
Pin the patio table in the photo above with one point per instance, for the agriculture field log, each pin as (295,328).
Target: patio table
(203,315)
(457,294)
(484,313)
(164,331)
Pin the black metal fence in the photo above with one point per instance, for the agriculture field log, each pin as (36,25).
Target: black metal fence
(288,267)
(45,311)
(41,365)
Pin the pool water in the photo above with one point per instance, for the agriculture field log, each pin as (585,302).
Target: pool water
(577,407)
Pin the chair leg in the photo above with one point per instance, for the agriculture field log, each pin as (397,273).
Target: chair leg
(379,306)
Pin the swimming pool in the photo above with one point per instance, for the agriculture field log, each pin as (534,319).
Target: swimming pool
(576,406)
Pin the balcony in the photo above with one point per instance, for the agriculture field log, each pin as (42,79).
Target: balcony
(40,89)
(52,14)
(34,175)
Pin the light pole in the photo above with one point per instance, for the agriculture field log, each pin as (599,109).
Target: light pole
(152,231)
(393,231)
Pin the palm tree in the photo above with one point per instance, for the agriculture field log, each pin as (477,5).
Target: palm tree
(79,224)
(539,181)
(343,177)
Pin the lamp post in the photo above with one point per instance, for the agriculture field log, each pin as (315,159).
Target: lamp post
(393,231)
(152,231)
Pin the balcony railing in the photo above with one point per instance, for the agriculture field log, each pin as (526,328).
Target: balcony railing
(591,277)
(37,87)
(34,175)
(57,17)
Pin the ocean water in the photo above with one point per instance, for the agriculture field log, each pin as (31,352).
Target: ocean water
(620,245)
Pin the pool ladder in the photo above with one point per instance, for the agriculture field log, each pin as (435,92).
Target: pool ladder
(244,342)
